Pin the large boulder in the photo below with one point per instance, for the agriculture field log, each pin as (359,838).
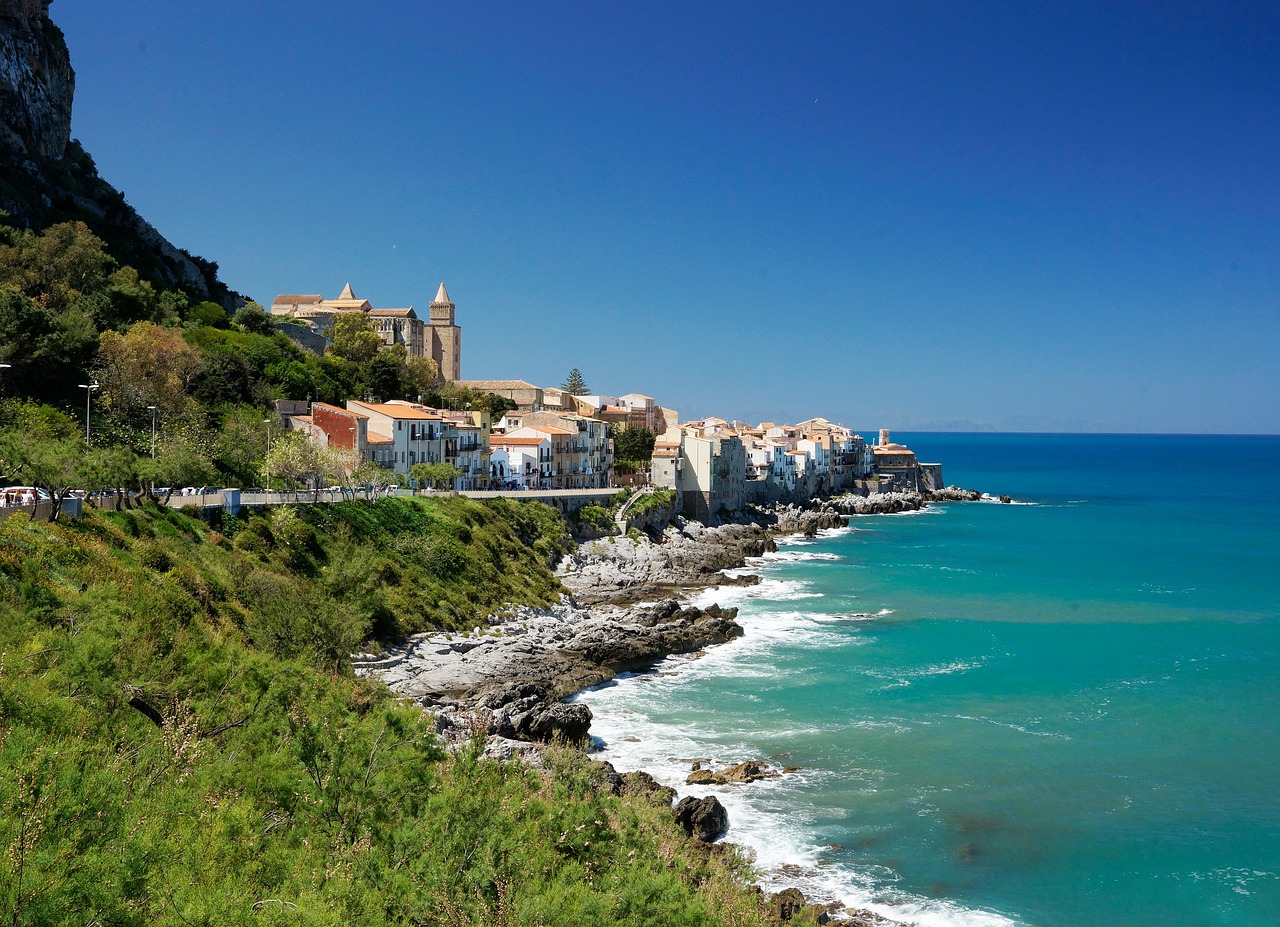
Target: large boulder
(702,818)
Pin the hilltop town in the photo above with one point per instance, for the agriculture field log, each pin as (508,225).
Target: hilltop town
(562,438)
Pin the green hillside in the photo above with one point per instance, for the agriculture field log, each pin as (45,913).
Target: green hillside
(182,741)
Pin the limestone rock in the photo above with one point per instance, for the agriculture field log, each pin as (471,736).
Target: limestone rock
(36,81)
(878,503)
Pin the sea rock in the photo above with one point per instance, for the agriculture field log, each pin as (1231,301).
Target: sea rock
(510,681)
(702,818)
(878,503)
(606,778)
(953,494)
(793,519)
(1006,499)
(749,771)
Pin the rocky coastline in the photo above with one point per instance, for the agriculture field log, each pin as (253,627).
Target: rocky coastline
(622,613)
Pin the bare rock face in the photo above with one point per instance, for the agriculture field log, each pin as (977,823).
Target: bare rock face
(36,81)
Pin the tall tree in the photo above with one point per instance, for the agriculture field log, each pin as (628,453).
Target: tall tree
(574,384)
(352,336)
(634,445)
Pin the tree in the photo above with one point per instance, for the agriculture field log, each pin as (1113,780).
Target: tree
(58,265)
(376,477)
(147,366)
(42,447)
(421,373)
(352,336)
(435,475)
(47,349)
(241,445)
(634,445)
(292,457)
(208,313)
(253,319)
(574,384)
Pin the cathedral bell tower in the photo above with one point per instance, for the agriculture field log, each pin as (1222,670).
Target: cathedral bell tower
(445,336)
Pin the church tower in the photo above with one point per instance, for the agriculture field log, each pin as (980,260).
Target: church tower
(446,336)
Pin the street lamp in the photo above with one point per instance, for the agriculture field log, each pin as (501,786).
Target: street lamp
(153,431)
(88,395)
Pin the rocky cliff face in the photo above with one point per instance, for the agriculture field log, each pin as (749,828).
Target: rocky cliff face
(46,177)
(36,81)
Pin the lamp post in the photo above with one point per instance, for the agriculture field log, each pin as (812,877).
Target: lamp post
(88,395)
(267,422)
(153,431)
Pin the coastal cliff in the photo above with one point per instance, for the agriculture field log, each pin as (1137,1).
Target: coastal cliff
(46,177)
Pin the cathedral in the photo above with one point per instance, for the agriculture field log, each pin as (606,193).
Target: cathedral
(439,338)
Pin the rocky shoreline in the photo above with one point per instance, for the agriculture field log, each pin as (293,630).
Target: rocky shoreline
(622,614)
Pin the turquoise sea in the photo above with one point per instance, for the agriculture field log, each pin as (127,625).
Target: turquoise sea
(1064,711)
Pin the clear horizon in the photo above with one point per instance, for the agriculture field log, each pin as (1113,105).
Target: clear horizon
(937,218)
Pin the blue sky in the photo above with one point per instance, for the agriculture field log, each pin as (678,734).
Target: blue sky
(912,215)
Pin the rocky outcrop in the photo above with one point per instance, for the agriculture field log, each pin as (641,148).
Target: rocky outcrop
(795,519)
(642,785)
(953,494)
(49,178)
(740,773)
(689,556)
(36,81)
(512,680)
(703,819)
(879,503)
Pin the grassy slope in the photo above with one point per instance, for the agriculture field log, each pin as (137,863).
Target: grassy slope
(181,742)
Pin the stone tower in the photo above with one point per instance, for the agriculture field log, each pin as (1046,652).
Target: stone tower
(445,336)
(884,437)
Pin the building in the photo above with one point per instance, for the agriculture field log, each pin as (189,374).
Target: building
(899,470)
(396,435)
(446,336)
(526,396)
(708,470)
(439,338)
(582,448)
(520,462)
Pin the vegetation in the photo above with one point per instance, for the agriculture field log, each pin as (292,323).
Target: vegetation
(203,380)
(434,475)
(633,447)
(182,741)
(574,384)
(652,500)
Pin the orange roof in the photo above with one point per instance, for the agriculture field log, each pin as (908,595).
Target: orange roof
(374,438)
(515,442)
(399,411)
(550,430)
